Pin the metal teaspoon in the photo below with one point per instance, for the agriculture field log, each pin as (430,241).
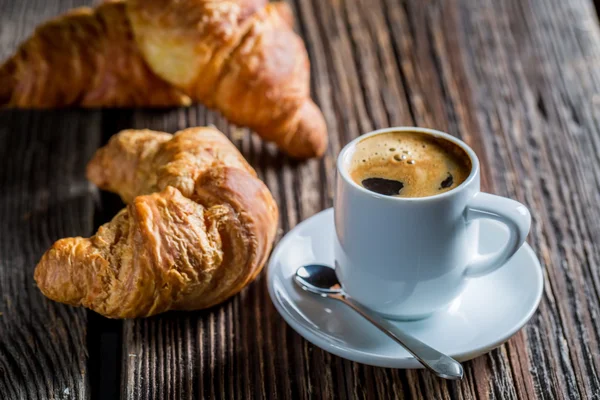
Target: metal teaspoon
(322,280)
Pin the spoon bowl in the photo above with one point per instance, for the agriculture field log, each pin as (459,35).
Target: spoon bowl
(318,279)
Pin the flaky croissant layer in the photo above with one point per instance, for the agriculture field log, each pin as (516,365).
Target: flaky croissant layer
(240,57)
(197,229)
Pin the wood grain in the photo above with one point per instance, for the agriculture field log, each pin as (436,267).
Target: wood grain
(519,80)
(43,196)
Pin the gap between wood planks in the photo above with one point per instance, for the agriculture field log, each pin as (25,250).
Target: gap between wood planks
(104,335)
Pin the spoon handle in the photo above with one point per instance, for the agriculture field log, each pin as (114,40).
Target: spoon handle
(438,363)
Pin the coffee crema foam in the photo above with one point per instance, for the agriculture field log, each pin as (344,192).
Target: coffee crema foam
(409,164)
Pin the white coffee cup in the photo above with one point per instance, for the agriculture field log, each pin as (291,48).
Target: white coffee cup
(409,257)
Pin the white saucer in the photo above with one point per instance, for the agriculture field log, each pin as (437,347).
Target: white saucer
(485,315)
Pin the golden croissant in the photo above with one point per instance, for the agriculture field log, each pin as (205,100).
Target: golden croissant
(240,57)
(198,227)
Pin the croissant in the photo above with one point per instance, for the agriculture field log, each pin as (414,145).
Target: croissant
(86,57)
(197,228)
(240,57)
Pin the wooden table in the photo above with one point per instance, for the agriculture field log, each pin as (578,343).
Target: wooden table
(519,80)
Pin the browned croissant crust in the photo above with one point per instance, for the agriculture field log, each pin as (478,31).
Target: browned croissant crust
(198,227)
(87,58)
(241,57)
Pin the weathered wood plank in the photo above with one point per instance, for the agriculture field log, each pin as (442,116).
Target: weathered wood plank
(44,196)
(536,68)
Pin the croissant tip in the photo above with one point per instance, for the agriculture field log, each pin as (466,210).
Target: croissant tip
(95,172)
(54,273)
(316,148)
(310,139)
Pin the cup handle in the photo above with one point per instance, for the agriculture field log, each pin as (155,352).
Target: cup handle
(511,213)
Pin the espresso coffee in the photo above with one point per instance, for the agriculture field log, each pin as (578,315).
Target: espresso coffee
(408,164)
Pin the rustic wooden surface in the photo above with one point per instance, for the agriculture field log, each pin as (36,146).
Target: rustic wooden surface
(517,79)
